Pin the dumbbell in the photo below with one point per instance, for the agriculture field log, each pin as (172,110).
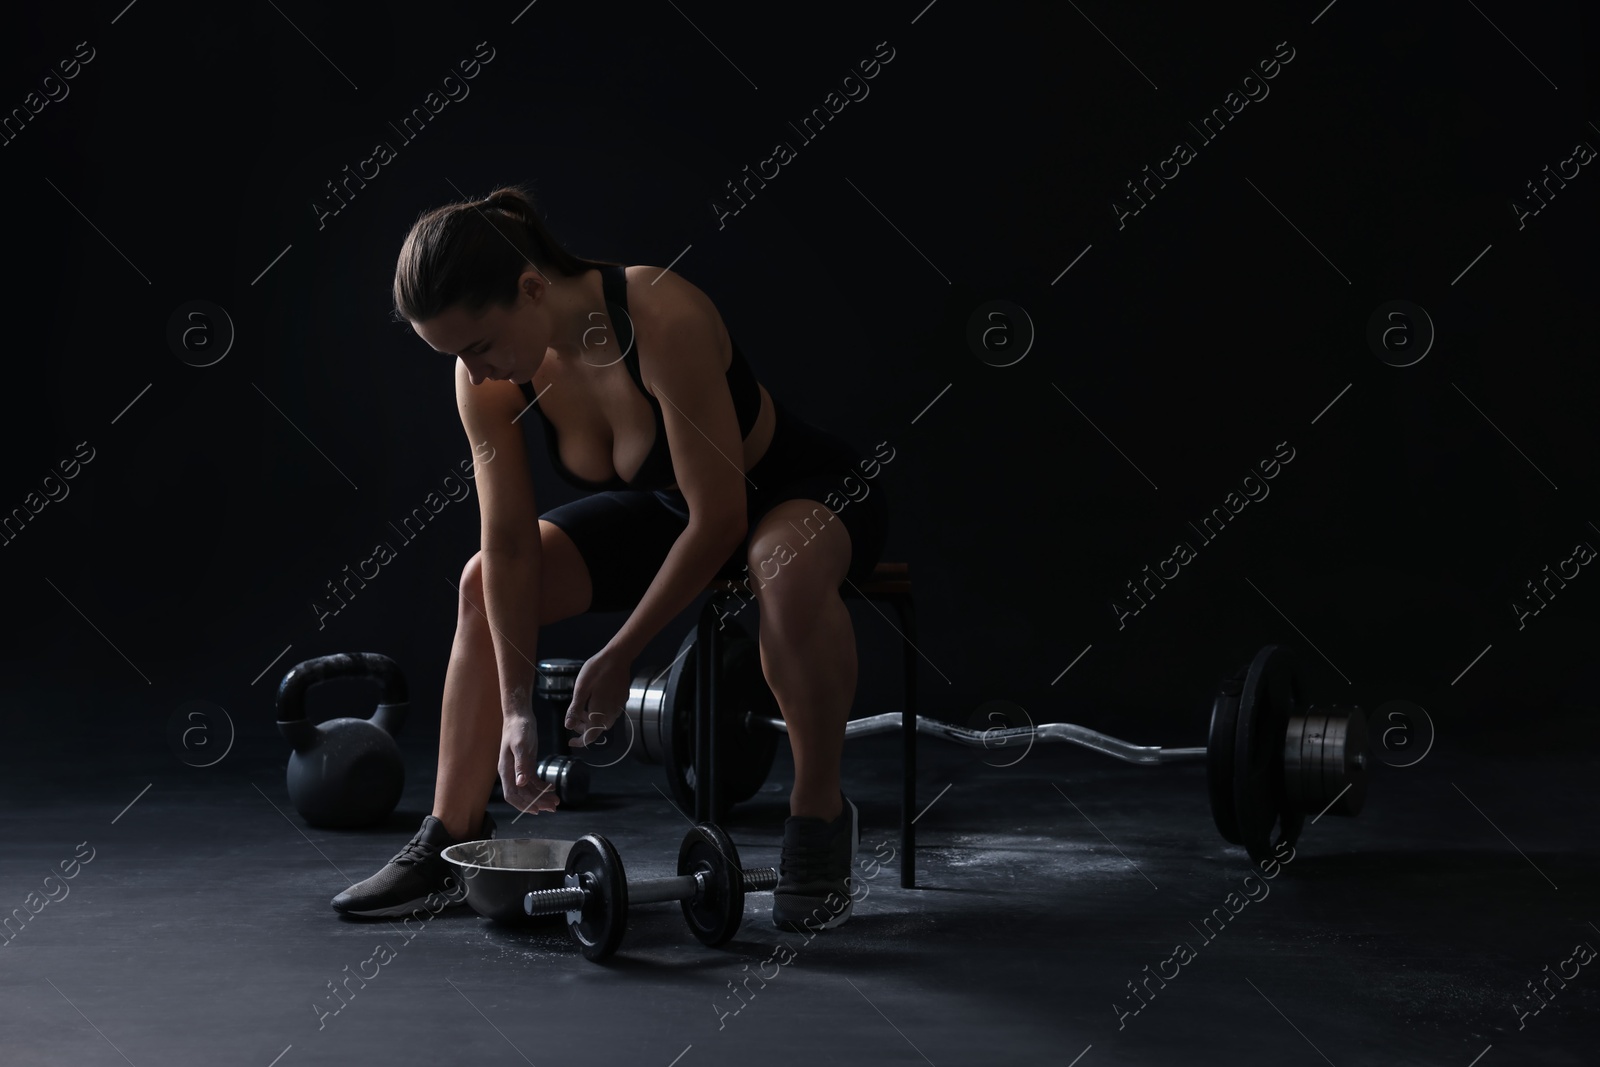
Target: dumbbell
(710,885)
(568,777)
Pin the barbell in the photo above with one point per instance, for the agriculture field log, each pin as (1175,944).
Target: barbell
(1271,758)
(710,886)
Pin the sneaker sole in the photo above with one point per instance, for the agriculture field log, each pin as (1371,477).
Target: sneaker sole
(395,911)
(798,926)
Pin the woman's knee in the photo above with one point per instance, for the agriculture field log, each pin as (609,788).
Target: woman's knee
(472,611)
(800,568)
(472,583)
(563,581)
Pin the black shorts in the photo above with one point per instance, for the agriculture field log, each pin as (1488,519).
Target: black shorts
(625,534)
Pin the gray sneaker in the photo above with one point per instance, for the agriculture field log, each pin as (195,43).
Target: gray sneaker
(814,869)
(416,871)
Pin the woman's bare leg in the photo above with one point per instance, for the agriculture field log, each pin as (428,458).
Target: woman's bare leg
(813,677)
(808,645)
(470,716)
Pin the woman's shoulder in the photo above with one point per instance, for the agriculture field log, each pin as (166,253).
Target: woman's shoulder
(661,295)
(662,303)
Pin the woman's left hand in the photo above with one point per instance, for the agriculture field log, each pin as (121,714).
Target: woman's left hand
(599,695)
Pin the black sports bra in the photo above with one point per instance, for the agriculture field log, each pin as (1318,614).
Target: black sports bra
(656,470)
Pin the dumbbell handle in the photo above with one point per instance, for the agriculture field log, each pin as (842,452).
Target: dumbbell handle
(648,891)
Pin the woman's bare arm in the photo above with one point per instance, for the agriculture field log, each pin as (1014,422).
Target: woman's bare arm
(511,571)
(684,371)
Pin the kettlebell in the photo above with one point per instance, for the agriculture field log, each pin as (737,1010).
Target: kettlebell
(344,772)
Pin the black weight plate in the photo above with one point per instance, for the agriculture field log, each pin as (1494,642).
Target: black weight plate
(714,915)
(747,755)
(1220,744)
(1270,694)
(604,917)
(744,756)
(677,723)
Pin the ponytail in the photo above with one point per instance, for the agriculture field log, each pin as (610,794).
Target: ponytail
(472,252)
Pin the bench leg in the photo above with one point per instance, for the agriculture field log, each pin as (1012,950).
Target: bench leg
(713,716)
(708,656)
(908,751)
(702,733)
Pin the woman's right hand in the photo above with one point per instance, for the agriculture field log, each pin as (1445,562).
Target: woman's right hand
(519,757)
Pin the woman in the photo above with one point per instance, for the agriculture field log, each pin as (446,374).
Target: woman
(696,472)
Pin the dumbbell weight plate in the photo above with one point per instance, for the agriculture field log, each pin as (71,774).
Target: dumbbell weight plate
(555,677)
(715,917)
(1269,695)
(593,863)
(569,776)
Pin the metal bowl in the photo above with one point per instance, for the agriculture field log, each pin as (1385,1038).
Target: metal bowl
(500,872)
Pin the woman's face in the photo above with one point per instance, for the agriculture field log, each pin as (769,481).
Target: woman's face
(501,344)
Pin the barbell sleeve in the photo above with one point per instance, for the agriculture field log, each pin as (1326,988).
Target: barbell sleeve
(1070,733)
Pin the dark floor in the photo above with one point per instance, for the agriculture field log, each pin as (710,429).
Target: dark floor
(200,931)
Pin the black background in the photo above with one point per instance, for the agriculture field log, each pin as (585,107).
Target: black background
(984,161)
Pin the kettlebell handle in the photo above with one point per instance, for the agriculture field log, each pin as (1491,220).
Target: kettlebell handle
(389,716)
